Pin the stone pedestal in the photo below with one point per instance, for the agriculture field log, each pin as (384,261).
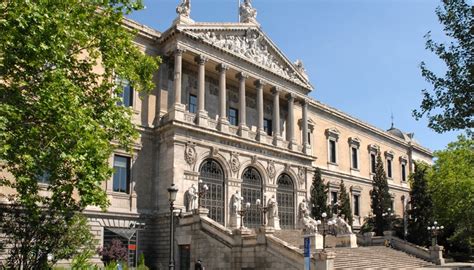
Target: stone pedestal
(234,221)
(307,149)
(182,19)
(346,240)
(223,125)
(243,131)
(202,119)
(293,145)
(316,241)
(177,112)
(278,141)
(274,222)
(324,260)
(202,212)
(436,254)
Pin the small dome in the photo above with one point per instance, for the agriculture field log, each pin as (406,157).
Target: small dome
(396,132)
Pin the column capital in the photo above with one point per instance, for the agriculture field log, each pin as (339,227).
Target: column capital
(276,90)
(291,96)
(178,51)
(222,67)
(259,83)
(304,102)
(201,59)
(242,76)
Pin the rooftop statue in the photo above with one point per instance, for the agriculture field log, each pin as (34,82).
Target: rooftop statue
(248,14)
(184,8)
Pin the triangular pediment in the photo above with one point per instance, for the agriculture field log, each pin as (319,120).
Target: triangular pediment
(248,42)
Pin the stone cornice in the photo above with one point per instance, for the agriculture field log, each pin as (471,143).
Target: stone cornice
(143,30)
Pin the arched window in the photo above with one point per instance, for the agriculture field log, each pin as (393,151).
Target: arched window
(212,174)
(251,191)
(286,201)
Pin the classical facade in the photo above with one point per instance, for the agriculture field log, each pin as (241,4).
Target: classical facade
(230,111)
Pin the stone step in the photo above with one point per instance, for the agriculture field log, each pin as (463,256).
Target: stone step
(373,257)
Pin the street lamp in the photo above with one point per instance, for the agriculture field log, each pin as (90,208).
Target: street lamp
(242,213)
(201,192)
(263,208)
(434,231)
(326,227)
(389,215)
(172,191)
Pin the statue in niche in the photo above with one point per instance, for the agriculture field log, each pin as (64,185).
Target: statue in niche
(235,203)
(192,197)
(272,208)
(184,8)
(248,14)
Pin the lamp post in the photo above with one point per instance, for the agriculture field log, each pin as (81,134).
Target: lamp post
(326,227)
(201,192)
(242,213)
(263,208)
(172,191)
(389,215)
(435,230)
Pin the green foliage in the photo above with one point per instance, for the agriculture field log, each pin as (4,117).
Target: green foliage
(421,210)
(113,252)
(345,204)
(319,196)
(452,187)
(141,263)
(58,116)
(380,197)
(450,105)
(34,236)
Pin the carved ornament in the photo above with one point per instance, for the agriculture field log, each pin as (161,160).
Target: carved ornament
(190,154)
(234,162)
(271,169)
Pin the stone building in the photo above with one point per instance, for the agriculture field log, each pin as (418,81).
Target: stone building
(232,112)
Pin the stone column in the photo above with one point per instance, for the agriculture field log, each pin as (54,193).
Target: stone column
(276,117)
(201,117)
(177,112)
(290,122)
(260,132)
(223,124)
(306,146)
(243,128)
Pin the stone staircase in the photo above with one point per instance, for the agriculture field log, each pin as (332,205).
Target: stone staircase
(376,257)
(373,257)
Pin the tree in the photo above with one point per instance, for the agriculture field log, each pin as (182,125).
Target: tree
(380,197)
(115,251)
(58,109)
(452,188)
(450,106)
(421,211)
(345,203)
(319,195)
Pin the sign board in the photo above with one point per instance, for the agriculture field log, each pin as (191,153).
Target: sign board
(307,253)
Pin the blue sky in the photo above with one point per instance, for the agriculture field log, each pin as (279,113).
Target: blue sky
(362,56)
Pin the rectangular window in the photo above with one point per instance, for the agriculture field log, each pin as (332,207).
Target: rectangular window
(356,205)
(192,103)
(404,175)
(121,174)
(233,116)
(332,151)
(372,163)
(389,168)
(267,126)
(126,96)
(309,137)
(355,161)
(334,202)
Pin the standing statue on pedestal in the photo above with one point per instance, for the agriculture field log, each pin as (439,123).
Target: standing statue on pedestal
(184,8)
(303,210)
(235,203)
(272,207)
(247,13)
(192,197)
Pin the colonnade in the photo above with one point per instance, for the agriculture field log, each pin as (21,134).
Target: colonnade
(223,123)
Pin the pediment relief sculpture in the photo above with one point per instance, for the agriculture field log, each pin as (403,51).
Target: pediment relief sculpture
(251,45)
